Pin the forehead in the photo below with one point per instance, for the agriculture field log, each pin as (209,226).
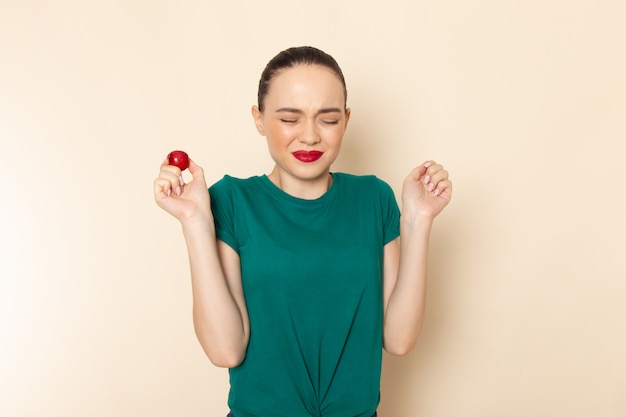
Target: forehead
(306,84)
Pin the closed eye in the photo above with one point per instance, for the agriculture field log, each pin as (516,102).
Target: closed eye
(288,120)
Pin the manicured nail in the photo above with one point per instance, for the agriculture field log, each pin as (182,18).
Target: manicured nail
(427,164)
(180,180)
(437,191)
(431,186)
(426,179)
(178,190)
(169,192)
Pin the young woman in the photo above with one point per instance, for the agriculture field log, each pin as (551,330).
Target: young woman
(302,276)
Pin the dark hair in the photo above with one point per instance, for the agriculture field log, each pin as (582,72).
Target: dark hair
(289,58)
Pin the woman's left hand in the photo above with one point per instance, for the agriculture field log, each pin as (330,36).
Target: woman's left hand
(427,190)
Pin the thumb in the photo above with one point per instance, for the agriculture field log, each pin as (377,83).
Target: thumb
(417,172)
(196,170)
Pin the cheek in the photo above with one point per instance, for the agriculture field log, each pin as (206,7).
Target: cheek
(334,135)
(280,133)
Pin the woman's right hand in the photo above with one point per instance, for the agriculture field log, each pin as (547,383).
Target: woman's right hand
(183,201)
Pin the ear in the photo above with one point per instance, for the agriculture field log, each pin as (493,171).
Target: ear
(258,120)
(348,112)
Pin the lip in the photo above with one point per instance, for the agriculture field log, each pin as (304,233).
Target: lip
(307,156)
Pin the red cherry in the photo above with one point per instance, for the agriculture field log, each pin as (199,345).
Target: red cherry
(179,159)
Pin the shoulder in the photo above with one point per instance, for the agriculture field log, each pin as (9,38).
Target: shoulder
(229,181)
(228,184)
(230,195)
(363,182)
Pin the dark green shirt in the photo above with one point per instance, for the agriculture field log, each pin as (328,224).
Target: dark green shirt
(312,280)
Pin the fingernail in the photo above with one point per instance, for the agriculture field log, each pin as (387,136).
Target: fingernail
(178,190)
(426,179)
(180,180)
(169,192)
(431,186)
(437,191)
(427,164)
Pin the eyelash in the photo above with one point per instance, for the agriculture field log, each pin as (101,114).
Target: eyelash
(328,122)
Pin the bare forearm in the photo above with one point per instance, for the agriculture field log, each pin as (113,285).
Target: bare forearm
(219,324)
(405,310)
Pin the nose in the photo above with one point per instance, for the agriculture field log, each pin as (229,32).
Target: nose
(310,134)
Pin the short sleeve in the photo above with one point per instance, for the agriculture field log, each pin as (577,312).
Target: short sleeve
(222,207)
(391,213)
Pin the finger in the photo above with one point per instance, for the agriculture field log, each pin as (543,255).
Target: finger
(166,167)
(438,176)
(162,188)
(195,169)
(173,176)
(172,170)
(443,188)
(196,172)
(431,170)
(432,167)
(417,172)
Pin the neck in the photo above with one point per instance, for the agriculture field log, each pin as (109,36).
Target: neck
(304,189)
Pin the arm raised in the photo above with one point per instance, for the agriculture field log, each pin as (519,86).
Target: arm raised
(426,192)
(219,310)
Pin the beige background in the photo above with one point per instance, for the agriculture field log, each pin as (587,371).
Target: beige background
(523,101)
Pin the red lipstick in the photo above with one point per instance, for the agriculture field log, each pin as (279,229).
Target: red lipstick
(307,156)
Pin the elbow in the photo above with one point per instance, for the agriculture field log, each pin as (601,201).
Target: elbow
(223,355)
(226,359)
(401,342)
(223,350)
(400,348)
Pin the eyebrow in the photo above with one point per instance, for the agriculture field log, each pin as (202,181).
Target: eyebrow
(298,111)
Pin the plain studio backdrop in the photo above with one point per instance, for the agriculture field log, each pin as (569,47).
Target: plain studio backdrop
(523,101)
